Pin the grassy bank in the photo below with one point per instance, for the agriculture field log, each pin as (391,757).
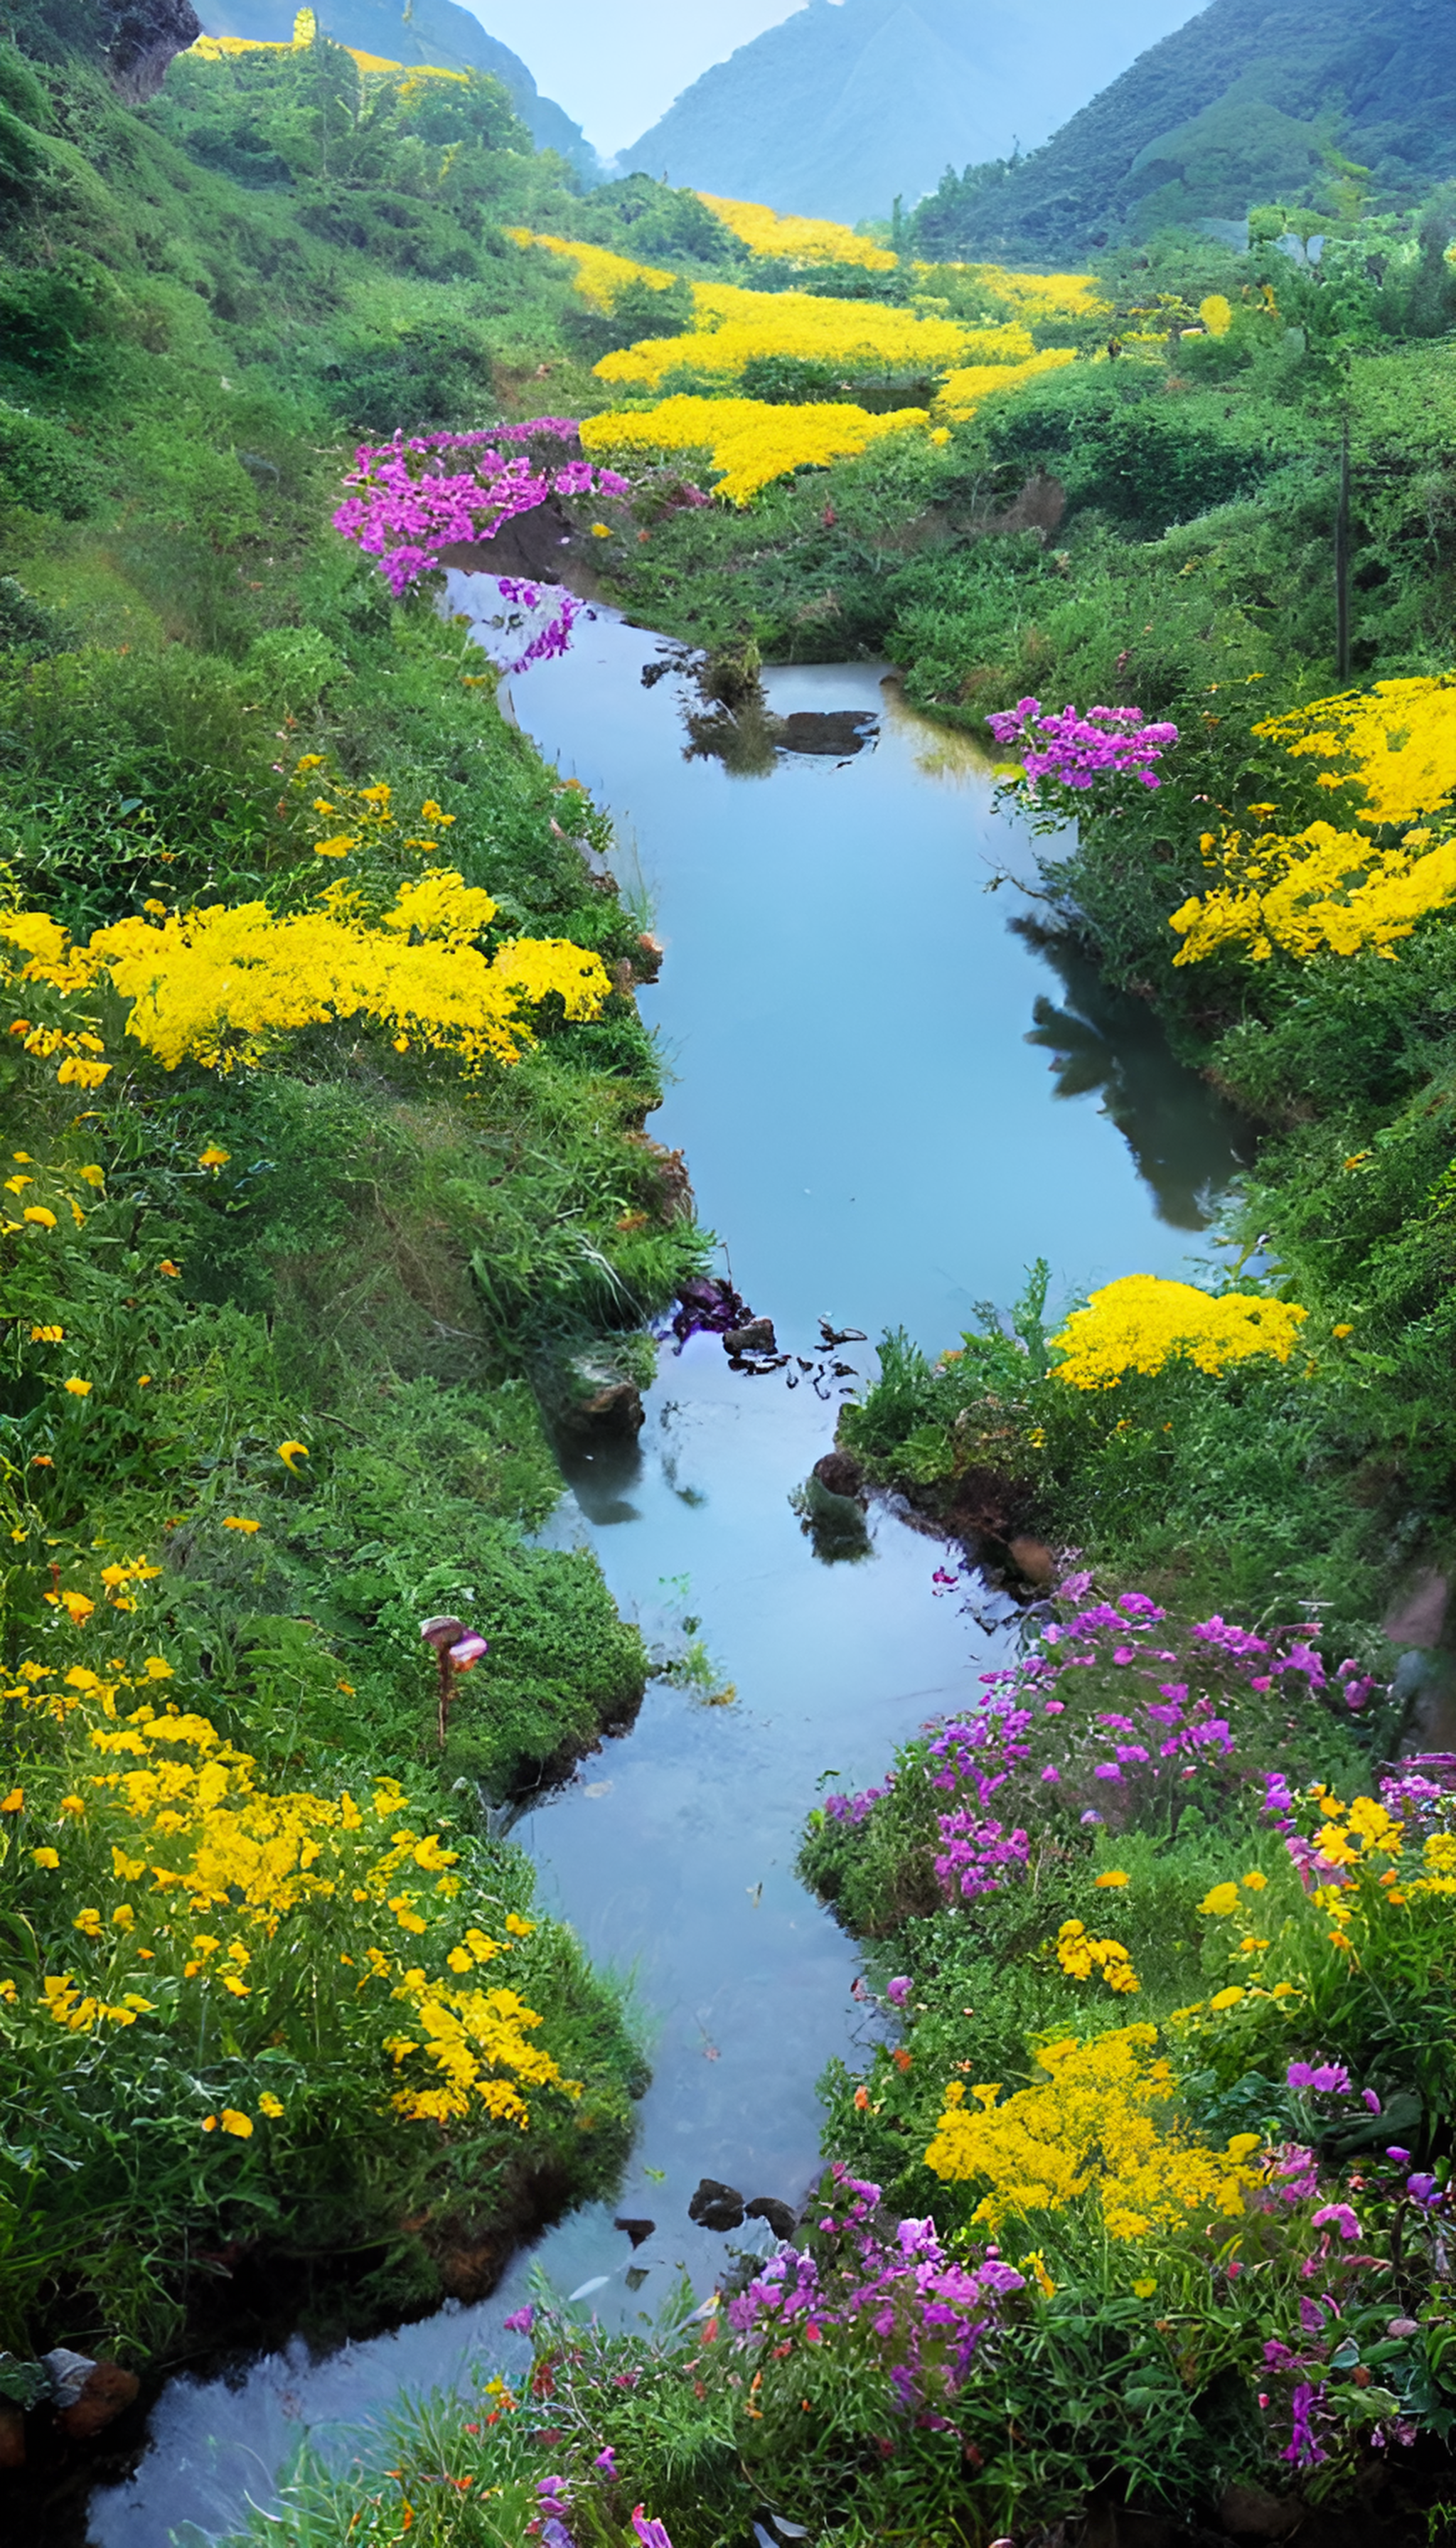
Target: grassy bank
(285,1284)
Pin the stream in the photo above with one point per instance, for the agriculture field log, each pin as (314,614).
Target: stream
(891,1101)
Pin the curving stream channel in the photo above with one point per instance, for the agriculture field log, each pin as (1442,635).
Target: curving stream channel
(891,1101)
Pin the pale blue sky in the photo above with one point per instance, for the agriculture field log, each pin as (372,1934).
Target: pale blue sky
(616,65)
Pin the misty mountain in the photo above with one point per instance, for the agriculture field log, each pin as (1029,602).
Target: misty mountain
(1253,101)
(846,106)
(416,31)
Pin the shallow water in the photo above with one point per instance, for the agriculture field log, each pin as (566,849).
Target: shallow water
(891,1102)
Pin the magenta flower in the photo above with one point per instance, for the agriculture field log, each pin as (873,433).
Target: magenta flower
(520,2321)
(1330,2077)
(652,2534)
(1338,2215)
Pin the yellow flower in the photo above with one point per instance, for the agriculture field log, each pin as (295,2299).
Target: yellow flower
(45,1857)
(93,1175)
(79,1388)
(48,1335)
(38,1213)
(158,1668)
(236,1522)
(14,1802)
(1110,1876)
(169,1268)
(1254,1882)
(1141,1322)
(1342,1330)
(1222,1903)
(601,531)
(268,2104)
(213,1157)
(210,2123)
(289,1454)
(1145,2287)
(1229,1998)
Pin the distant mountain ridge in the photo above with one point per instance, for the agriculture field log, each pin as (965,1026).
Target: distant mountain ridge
(427,31)
(1253,101)
(843,107)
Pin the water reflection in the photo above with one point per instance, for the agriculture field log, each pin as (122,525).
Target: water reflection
(1182,1134)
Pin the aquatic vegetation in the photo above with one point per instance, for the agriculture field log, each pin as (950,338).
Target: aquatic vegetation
(751,442)
(1325,889)
(794,235)
(220,986)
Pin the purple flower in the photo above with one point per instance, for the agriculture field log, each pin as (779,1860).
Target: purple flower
(1052,1775)
(652,2534)
(1401,2156)
(606,2459)
(555,2535)
(1369,2098)
(1303,2448)
(1425,2191)
(898,1990)
(1330,2077)
(1338,2216)
(520,2321)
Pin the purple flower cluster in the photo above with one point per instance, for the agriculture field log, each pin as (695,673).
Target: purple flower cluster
(853,1809)
(410,505)
(921,2314)
(1075,750)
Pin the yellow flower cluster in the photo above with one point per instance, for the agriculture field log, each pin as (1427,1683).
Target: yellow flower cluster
(1081,1956)
(1326,890)
(598,274)
(1099,2124)
(736,326)
(962,391)
(1035,297)
(1139,1322)
(794,235)
(751,441)
(166,1826)
(1397,741)
(218,985)
(1321,891)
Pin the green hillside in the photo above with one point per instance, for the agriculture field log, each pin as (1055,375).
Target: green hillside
(845,107)
(1254,101)
(428,30)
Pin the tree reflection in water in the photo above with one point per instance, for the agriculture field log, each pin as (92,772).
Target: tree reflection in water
(1179,1131)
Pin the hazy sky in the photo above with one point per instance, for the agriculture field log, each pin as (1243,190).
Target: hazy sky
(616,65)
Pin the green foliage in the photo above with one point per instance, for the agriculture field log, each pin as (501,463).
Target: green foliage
(1314,105)
(348,1247)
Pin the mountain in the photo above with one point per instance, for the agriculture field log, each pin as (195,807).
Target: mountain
(843,107)
(417,30)
(1253,101)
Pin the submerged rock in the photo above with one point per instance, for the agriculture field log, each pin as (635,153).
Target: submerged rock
(781,2218)
(755,1336)
(840,1473)
(716,2206)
